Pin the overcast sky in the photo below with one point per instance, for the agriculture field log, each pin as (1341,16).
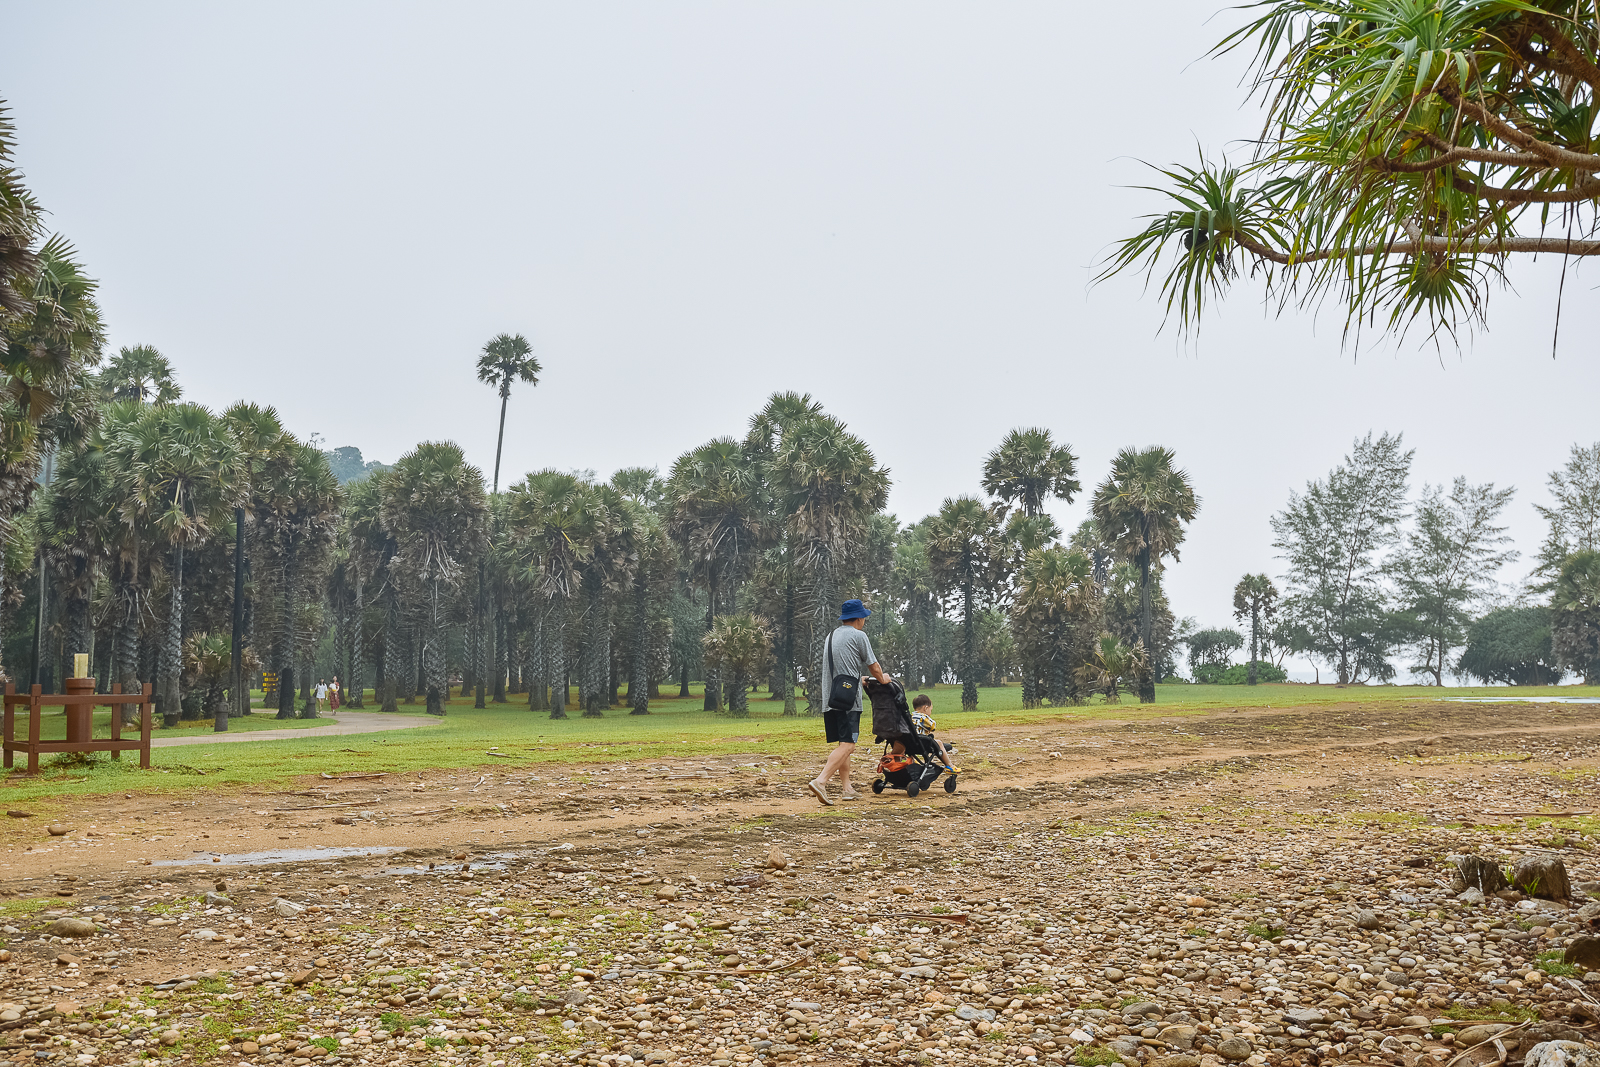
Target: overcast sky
(685,207)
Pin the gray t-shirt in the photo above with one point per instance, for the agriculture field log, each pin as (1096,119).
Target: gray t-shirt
(852,653)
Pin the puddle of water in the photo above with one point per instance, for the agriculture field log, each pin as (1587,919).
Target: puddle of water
(491,861)
(280,855)
(1526,700)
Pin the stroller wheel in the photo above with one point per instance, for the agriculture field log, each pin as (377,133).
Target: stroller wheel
(912,789)
(950,784)
(877,785)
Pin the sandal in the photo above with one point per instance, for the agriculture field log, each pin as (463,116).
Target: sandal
(820,792)
(850,796)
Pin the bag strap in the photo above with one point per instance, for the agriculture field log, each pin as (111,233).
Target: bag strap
(830,656)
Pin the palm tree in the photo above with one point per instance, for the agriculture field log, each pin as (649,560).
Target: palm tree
(827,483)
(1110,664)
(741,646)
(1141,509)
(1255,597)
(141,374)
(296,501)
(208,658)
(177,473)
(966,557)
(1056,601)
(716,515)
(655,567)
(1025,534)
(609,555)
(1029,468)
(506,359)
(546,518)
(434,507)
(262,442)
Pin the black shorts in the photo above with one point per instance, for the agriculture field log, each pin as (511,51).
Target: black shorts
(842,725)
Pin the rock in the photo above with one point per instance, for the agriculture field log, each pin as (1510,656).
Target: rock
(1302,1016)
(1474,1035)
(249,1047)
(20,814)
(1584,951)
(1178,1036)
(1142,1008)
(776,859)
(667,892)
(1367,920)
(1470,895)
(206,935)
(56,829)
(1113,974)
(288,908)
(919,972)
(1420,1021)
(1234,1049)
(1561,1054)
(970,1013)
(217,899)
(1542,875)
(171,1037)
(1475,872)
(302,977)
(71,927)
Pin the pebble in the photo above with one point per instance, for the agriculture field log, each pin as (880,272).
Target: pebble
(71,927)
(56,829)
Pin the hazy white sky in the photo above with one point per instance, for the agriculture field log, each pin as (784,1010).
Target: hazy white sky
(685,207)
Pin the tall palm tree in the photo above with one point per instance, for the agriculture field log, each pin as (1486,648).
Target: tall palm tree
(609,555)
(262,442)
(716,515)
(140,373)
(296,500)
(1056,603)
(435,508)
(827,483)
(1255,598)
(1029,468)
(739,645)
(1141,509)
(177,472)
(1025,534)
(654,570)
(546,516)
(966,553)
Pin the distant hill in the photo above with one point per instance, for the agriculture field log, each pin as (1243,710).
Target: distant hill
(348,465)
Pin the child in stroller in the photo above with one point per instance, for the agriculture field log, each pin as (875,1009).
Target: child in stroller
(910,761)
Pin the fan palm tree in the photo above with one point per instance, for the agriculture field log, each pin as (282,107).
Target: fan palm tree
(142,374)
(1141,509)
(1026,534)
(262,443)
(1110,664)
(1056,601)
(20,225)
(827,483)
(715,513)
(1029,468)
(506,359)
(1255,598)
(739,645)
(966,556)
(296,502)
(547,516)
(435,508)
(177,472)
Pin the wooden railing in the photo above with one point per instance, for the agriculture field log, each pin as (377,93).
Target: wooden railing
(79,700)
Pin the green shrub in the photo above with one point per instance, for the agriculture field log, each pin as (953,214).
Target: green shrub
(1238,673)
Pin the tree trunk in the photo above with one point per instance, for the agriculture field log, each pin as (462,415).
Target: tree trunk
(786,668)
(639,675)
(172,647)
(388,679)
(1255,645)
(969,645)
(713,701)
(436,680)
(1147,681)
(556,640)
(683,680)
(502,648)
(824,609)
(538,663)
(355,680)
(594,665)
(290,633)
(480,650)
(125,649)
(739,696)
(237,691)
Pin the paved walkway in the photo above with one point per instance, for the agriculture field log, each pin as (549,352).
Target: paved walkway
(347,722)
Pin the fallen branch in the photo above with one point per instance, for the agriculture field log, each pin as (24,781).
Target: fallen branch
(960,918)
(507,755)
(1495,1040)
(318,807)
(352,777)
(481,779)
(801,962)
(1538,814)
(434,811)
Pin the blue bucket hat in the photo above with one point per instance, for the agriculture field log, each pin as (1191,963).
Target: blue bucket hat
(853,609)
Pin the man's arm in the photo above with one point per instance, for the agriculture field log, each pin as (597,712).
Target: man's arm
(878,672)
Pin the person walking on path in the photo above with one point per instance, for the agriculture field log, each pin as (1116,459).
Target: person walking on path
(848,654)
(318,695)
(333,694)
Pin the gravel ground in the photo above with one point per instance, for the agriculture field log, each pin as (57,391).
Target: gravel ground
(1190,914)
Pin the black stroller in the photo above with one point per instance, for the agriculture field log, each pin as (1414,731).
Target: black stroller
(917,767)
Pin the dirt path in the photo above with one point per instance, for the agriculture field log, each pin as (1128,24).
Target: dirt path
(346,722)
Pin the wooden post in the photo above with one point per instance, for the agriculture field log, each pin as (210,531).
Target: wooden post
(80,717)
(35,710)
(10,722)
(116,719)
(144,748)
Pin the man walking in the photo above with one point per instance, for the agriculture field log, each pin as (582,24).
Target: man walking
(847,653)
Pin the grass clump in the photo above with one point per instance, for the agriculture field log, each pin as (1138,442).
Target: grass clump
(1501,1011)
(1552,963)
(1264,931)
(1094,1056)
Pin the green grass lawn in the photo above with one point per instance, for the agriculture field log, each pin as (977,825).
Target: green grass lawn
(675,728)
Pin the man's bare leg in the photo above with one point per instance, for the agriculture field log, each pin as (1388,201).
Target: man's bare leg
(838,763)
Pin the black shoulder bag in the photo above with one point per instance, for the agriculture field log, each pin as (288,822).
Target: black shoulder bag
(842,689)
